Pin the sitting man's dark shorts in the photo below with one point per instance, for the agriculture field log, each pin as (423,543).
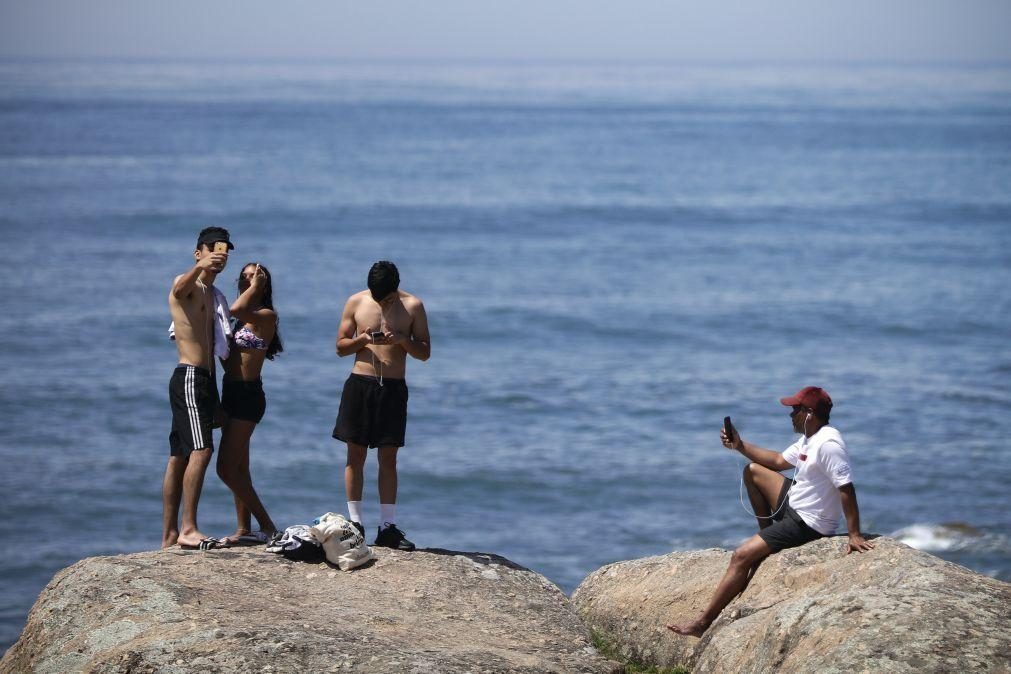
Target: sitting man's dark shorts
(193,394)
(371,414)
(243,400)
(788,530)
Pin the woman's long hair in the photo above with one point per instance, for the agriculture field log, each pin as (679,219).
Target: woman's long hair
(268,301)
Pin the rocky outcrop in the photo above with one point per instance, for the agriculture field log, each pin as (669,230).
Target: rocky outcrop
(242,609)
(809,609)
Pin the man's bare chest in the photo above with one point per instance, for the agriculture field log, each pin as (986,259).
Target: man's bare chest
(394,319)
(198,308)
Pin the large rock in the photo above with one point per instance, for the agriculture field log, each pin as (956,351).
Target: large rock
(247,610)
(808,609)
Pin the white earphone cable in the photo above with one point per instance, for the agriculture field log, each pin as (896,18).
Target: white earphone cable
(793,481)
(378,370)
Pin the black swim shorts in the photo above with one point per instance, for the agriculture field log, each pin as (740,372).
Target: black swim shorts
(193,394)
(243,400)
(788,530)
(372,415)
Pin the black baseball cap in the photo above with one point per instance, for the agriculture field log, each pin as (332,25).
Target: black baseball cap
(211,235)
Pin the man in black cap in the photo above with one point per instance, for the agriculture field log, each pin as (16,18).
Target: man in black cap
(199,327)
(806,508)
(381,326)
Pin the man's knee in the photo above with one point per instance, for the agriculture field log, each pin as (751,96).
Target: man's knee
(741,557)
(755,474)
(388,458)
(356,456)
(195,461)
(227,472)
(750,472)
(178,462)
(752,550)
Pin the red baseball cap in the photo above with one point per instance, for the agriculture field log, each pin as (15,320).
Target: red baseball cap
(812,398)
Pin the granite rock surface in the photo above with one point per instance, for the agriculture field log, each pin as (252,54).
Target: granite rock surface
(243,609)
(808,609)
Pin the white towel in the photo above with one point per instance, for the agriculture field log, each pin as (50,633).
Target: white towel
(222,326)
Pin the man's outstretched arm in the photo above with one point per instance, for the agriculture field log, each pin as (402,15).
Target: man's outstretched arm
(185,283)
(763,457)
(857,542)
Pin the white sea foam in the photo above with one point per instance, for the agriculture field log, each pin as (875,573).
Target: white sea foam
(938,537)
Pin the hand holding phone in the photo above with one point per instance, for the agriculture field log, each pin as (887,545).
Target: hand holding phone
(728,431)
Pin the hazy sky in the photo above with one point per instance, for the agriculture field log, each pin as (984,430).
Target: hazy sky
(747,30)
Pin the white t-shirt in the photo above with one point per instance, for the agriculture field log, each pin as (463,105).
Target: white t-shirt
(822,467)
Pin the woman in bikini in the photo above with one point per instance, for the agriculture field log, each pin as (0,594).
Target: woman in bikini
(255,338)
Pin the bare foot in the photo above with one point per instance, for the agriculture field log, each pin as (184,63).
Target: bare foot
(234,538)
(695,628)
(169,538)
(251,537)
(190,540)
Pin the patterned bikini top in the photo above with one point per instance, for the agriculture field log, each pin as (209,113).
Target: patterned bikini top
(247,339)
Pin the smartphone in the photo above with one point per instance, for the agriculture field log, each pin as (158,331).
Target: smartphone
(377,335)
(221,247)
(728,428)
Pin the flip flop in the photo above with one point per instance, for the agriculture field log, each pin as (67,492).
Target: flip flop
(213,543)
(252,538)
(208,543)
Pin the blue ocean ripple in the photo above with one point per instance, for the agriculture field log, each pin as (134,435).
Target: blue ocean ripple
(612,258)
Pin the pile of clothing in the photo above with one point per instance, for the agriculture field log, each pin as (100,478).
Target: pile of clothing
(331,537)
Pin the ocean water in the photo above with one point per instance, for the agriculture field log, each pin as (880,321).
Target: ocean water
(613,257)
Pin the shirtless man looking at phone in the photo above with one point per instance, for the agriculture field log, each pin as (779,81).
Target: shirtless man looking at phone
(193,391)
(380,326)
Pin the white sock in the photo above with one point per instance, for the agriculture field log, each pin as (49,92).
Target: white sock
(355,511)
(387,513)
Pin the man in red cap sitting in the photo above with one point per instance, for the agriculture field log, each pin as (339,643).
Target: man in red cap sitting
(790,512)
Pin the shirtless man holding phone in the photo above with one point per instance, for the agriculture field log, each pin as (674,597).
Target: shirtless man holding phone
(381,326)
(193,391)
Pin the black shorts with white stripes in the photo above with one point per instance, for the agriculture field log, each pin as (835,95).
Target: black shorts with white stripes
(193,394)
